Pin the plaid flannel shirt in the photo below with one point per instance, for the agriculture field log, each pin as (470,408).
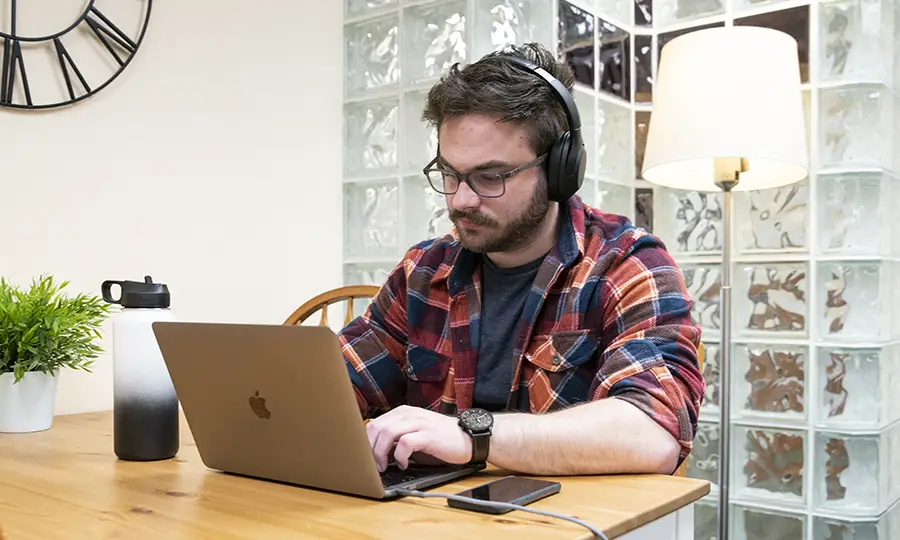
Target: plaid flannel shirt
(608,316)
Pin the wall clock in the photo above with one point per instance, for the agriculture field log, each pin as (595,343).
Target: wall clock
(44,70)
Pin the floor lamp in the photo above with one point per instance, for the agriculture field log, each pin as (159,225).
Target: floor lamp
(727,116)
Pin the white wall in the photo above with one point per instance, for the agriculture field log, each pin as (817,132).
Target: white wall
(213,164)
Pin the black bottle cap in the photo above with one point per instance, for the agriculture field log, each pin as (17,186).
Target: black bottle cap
(137,294)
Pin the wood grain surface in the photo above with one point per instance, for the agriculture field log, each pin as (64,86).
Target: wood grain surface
(67,483)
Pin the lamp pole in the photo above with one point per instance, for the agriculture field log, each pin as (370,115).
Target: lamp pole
(728,175)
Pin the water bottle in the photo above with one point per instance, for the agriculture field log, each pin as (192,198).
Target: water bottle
(145,406)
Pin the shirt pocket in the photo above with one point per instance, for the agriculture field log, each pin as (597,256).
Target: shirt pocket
(561,351)
(558,369)
(425,365)
(426,374)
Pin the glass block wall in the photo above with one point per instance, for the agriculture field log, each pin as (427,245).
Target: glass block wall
(816,436)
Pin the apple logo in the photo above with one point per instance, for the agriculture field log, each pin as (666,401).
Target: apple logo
(258,405)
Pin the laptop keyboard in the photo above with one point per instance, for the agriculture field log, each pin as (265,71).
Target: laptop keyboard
(394,476)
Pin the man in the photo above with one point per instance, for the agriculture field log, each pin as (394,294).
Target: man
(542,336)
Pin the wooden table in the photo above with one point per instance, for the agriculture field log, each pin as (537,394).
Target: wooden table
(67,483)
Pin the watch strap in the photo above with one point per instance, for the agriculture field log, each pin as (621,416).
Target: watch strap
(481,445)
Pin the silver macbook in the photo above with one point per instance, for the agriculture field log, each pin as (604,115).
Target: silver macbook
(275,402)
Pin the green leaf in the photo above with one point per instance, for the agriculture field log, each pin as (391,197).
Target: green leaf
(42,329)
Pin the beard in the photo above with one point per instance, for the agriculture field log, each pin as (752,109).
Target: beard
(495,237)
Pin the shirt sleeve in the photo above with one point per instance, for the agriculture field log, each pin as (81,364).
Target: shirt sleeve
(651,342)
(374,345)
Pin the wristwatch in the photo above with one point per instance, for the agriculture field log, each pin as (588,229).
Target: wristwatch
(478,423)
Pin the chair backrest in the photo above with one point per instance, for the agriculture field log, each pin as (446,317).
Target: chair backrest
(701,351)
(328,298)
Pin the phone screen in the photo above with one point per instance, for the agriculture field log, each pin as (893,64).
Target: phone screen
(506,489)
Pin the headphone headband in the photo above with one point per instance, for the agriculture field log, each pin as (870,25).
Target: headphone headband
(567,158)
(559,89)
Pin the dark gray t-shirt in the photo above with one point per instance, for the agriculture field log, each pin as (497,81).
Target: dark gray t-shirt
(503,297)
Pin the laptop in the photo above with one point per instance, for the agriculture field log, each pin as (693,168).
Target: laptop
(275,402)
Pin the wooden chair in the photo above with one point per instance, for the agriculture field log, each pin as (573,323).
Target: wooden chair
(322,301)
(682,469)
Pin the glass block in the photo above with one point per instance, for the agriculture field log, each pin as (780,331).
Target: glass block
(771,299)
(643,208)
(857,40)
(426,214)
(778,218)
(769,382)
(614,147)
(856,124)
(834,529)
(643,13)
(576,41)
(769,465)
(849,474)
(617,10)
(855,301)
(434,39)
(587,112)
(370,136)
(614,62)
(689,222)
(366,274)
(794,22)
(641,126)
(712,359)
(506,22)
(643,67)
(856,387)
(703,461)
(759,524)
(706,521)
(851,207)
(371,219)
(667,12)
(356,7)
(614,198)
(419,139)
(704,285)
(371,49)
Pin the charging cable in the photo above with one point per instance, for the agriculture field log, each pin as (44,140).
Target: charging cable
(505,506)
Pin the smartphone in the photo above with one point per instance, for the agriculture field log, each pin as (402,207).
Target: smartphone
(509,489)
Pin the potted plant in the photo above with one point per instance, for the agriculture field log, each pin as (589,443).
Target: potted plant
(41,331)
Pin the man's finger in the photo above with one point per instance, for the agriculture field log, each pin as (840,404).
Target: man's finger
(386,436)
(415,441)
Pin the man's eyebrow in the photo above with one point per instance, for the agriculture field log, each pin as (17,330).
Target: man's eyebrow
(493,164)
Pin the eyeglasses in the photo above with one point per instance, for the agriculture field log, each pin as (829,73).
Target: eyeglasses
(489,185)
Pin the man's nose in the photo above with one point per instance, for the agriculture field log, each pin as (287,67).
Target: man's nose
(465,198)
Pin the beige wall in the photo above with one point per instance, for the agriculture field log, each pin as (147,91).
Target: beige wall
(213,163)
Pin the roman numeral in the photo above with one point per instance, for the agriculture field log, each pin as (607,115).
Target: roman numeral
(65,61)
(109,35)
(12,62)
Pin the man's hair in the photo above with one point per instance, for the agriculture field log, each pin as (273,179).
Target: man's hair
(496,87)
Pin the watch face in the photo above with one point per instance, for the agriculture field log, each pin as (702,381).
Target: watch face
(477,419)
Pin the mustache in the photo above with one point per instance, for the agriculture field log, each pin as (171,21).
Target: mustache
(475,217)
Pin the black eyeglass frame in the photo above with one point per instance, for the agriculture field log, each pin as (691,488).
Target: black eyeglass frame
(464,177)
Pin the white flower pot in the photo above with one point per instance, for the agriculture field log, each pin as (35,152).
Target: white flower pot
(28,405)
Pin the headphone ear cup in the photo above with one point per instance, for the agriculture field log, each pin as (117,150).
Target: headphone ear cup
(578,162)
(556,167)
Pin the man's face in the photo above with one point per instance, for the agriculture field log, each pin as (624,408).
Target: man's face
(491,225)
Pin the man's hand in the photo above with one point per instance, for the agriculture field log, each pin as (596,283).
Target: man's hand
(406,430)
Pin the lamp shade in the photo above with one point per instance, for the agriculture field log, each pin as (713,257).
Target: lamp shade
(731,92)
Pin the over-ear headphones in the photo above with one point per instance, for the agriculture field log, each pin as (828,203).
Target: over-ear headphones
(567,158)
